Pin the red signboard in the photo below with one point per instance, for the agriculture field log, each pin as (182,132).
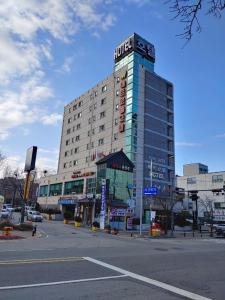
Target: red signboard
(122,107)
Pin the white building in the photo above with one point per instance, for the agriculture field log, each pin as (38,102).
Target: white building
(209,187)
(132,109)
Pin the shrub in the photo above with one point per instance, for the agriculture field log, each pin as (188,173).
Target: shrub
(68,215)
(96,224)
(181,218)
(107,227)
(24,227)
(5,223)
(78,219)
(136,221)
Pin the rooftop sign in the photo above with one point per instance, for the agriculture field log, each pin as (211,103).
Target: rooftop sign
(137,44)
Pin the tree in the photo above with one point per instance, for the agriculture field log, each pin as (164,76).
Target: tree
(2,159)
(207,205)
(188,11)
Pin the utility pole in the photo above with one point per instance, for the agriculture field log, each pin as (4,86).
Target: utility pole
(141,208)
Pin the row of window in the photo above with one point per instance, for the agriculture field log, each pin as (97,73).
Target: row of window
(77,105)
(71,187)
(215,178)
(95,93)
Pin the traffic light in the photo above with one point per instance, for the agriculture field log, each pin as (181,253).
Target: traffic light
(194,196)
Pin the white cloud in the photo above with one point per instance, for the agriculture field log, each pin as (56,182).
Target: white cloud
(221,136)
(51,119)
(24,52)
(187,144)
(4,135)
(66,67)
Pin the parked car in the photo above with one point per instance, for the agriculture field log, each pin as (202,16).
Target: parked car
(5,214)
(34,216)
(220,229)
(8,207)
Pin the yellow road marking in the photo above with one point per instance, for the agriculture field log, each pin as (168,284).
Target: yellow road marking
(40,260)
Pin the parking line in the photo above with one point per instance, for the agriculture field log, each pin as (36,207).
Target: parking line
(59,282)
(159,284)
(40,260)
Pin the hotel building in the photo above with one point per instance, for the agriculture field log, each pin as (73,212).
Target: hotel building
(130,110)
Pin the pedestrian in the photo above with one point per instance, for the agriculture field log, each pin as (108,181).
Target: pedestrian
(34,230)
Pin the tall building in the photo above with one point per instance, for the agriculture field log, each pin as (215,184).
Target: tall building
(132,110)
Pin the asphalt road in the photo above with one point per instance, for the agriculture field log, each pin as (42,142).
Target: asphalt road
(70,263)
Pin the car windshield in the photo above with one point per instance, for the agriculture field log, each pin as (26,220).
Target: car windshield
(36,213)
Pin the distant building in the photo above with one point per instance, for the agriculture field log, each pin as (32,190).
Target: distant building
(208,186)
(132,109)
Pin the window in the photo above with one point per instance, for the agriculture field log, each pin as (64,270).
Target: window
(103,101)
(75,117)
(79,115)
(102,114)
(80,103)
(70,110)
(117,107)
(96,93)
(101,128)
(76,150)
(116,121)
(71,152)
(91,120)
(64,165)
(90,108)
(90,145)
(73,128)
(115,136)
(117,79)
(69,120)
(191,180)
(117,93)
(78,126)
(72,140)
(217,178)
(68,131)
(75,162)
(55,189)
(100,142)
(67,142)
(104,88)
(43,191)
(74,187)
(70,164)
(87,158)
(66,154)
(75,107)
(77,138)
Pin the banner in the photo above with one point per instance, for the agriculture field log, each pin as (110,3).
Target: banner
(103,204)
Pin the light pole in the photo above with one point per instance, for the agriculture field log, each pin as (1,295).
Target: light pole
(141,208)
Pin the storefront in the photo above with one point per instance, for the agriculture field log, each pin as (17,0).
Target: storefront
(116,172)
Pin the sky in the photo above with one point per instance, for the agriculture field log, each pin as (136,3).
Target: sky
(53,51)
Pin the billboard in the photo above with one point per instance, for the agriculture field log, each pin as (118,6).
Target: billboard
(30,159)
(135,43)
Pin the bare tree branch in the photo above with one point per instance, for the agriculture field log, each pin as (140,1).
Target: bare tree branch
(187,11)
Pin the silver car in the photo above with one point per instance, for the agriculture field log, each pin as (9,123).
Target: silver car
(34,216)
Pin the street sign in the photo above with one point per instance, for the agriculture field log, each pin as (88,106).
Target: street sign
(153,191)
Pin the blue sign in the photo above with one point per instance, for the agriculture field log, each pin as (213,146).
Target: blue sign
(67,201)
(103,204)
(152,191)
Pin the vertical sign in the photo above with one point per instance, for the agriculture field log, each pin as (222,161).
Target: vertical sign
(103,204)
(122,107)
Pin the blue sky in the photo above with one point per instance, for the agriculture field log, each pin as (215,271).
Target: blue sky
(52,51)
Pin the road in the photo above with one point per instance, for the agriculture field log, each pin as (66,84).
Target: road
(74,263)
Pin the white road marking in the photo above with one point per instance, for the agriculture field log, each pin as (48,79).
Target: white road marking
(59,282)
(159,284)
